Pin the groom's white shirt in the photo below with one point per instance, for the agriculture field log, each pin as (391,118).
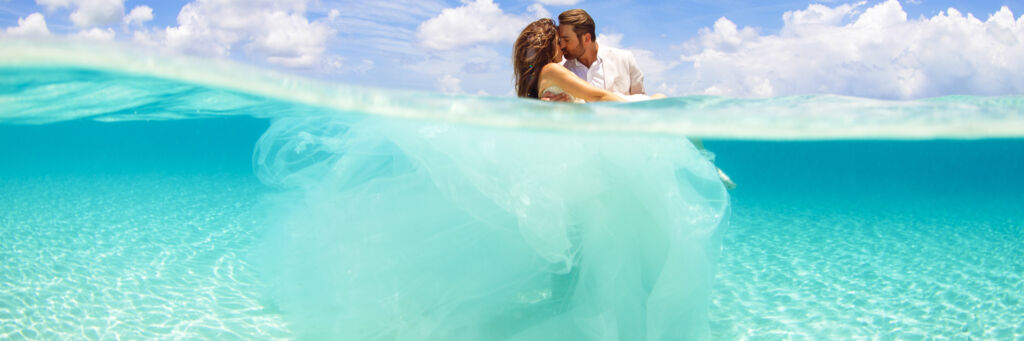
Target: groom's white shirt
(614,70)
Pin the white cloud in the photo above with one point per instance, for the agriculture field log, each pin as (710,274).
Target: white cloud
(384,26)
(139,16)
(534,12)
(816,17)
(96,34)
(479,21)
(89,13)
(32,25)
(610,39)
(449,84)
(289,39)
(277,32)
(477,68)
(364,66)
(558,2)
(455,61)
(877,53)
(723,37)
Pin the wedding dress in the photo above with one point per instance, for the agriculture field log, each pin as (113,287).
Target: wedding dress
(390,229)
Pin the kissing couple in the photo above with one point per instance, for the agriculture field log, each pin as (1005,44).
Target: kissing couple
(589,73)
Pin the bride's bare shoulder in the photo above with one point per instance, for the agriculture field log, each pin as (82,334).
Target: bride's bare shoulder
(555,70)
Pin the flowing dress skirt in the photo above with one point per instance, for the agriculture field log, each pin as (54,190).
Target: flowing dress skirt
(389,229)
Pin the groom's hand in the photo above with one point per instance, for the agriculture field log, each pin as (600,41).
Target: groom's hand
(549,96)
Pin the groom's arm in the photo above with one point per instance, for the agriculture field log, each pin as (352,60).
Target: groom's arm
(636,77)
(548,96)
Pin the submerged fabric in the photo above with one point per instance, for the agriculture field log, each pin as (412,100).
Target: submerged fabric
(408,230)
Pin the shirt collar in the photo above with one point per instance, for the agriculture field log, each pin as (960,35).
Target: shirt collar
(575,62)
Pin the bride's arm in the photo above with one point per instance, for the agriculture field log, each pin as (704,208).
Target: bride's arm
(558,75)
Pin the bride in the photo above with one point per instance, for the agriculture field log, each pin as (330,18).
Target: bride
(535,59)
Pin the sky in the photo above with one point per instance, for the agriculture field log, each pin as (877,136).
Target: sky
(886,49)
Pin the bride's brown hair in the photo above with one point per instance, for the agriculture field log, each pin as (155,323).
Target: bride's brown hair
(534,48)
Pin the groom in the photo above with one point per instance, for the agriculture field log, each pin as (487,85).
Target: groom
(605,67)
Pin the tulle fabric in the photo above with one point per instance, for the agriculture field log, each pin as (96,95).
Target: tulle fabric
(391,229)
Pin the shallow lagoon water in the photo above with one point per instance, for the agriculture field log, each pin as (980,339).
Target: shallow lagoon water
(151,227)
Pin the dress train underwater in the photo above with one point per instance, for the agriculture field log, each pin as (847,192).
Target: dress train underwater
(391,229)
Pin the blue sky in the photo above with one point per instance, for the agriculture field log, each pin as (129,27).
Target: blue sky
(878,48)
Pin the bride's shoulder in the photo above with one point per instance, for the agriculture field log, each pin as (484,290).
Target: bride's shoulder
(552,66)
(554,69)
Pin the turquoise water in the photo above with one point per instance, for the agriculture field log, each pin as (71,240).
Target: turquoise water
(148,196)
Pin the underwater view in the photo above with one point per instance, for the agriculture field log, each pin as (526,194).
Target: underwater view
(160,197)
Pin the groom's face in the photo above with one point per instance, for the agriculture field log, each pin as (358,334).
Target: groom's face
(571,46)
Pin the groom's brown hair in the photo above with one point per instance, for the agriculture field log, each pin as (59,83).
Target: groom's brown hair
(581,22)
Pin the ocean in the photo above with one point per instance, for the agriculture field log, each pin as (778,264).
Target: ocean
(149,196)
